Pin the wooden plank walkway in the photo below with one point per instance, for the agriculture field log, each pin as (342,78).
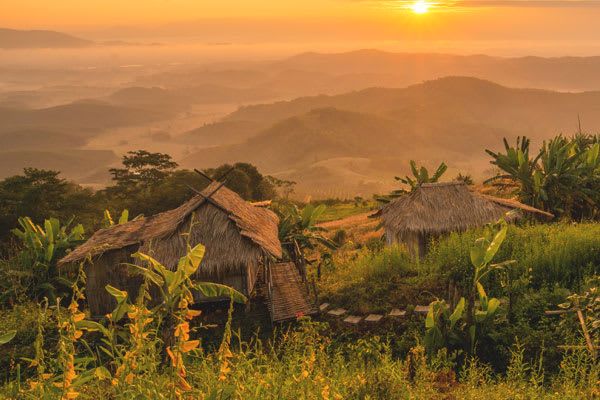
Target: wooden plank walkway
(289,295)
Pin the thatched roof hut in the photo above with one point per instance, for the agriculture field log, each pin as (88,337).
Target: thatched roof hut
(437,208)
(239,238)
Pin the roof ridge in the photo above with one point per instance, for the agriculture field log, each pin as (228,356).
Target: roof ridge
(437,184)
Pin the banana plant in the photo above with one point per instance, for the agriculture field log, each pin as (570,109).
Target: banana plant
(481,255)
(421,175)
(302,227)
(136,332)
(108,220)
(43,246)
(519,169)
(564,178)
(444,327)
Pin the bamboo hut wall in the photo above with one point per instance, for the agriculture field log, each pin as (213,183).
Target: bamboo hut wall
(227,253)
(107,270)
(229,259)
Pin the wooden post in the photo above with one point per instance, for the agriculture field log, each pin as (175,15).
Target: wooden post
(316,291)
(588,340)
(319,271)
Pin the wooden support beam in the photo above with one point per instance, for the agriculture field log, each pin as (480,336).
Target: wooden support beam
(558,312)
(208,197)
(204,175)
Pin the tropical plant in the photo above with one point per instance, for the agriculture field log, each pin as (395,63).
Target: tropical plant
(108,220)
(442,327)
(564,177)
(34,270)
(421,176)
(301,226)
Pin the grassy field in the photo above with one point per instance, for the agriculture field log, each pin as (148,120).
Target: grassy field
(345,210)
(54,355)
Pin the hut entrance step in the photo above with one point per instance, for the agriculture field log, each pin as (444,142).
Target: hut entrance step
(289,299)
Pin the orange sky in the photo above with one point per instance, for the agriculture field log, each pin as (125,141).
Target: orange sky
(99,12)
(375,19)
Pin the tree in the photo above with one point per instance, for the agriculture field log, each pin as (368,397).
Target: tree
(285,186)
(245,180)
(34,194)
(143,168)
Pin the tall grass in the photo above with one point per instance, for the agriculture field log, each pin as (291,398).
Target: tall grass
(366,281)
(561,254)
(306,362)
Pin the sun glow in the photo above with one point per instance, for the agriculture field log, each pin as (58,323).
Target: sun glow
(419,7)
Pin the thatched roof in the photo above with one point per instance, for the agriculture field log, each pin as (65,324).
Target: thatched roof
(259,225)
(443,207)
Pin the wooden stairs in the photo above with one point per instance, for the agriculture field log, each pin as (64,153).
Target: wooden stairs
(288,298)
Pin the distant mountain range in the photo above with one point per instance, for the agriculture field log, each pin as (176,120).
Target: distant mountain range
(19,39)
(316,140)
(333,73)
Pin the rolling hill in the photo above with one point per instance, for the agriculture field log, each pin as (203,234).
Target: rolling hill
(20,39)
(451,119)
(74,165)
(81,118)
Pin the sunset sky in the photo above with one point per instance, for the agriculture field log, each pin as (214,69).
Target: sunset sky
(350,19)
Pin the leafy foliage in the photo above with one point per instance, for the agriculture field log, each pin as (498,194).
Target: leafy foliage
(33,272)
(442,326)
(143,168)
(40,194)
(420,176)
(247,181)
(301,226)
(563,178)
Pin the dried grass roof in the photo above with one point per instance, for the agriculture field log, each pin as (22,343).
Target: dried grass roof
(257,224)
(444,207)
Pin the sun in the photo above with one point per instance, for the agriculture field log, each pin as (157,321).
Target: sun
(419,7)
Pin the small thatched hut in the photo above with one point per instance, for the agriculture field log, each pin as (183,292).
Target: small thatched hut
(437,208)
(239,240)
